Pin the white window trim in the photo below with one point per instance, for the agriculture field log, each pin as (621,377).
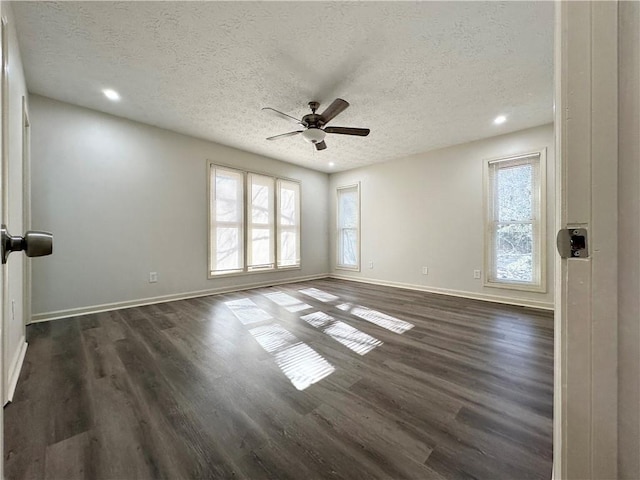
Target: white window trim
(246,270)
(542,227)
(235,271)
(279,228)
(359,225)
(250,225)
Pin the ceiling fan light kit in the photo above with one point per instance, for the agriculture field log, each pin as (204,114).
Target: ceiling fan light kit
(314,124)
(313,135)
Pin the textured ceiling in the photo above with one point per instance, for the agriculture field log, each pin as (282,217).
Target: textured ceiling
(419,75)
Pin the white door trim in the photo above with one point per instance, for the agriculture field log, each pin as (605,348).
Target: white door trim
(26,211)
(3,210)
(586,100)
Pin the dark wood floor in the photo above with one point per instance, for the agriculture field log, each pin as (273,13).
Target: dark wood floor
(218,387)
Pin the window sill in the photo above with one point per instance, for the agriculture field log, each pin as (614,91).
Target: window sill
(350,269)
(523,287)
(213,276)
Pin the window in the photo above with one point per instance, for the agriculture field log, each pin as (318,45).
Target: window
(349,227)
(515,221)
(288,224)
(244,227)
(227,225)
(261,222)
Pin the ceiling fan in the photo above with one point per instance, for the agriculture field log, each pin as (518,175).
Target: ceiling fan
(314,123)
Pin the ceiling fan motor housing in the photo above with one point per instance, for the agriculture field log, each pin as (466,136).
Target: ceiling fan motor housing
(313,120)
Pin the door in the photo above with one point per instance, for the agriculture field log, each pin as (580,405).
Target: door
(586,100)
(14,160)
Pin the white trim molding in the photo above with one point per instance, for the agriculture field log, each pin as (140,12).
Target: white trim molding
(15,368)
(72,312)
(538,161)
(519,302)
(245,223)
(339,228)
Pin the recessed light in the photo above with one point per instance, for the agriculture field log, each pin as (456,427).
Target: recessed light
(500,119)
(111,94)
(331,164)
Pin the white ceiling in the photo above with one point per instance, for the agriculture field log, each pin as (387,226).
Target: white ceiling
(420,75)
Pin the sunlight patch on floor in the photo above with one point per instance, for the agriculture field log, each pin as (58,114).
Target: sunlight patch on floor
(319,294)
(350,337)
(302,365)
(247,311)
(290,303)
(273,337)
(377,318)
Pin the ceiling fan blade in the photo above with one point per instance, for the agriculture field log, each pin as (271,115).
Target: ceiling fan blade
(282,115)
(361,132)
(337,107)
(282,135)
(321,145)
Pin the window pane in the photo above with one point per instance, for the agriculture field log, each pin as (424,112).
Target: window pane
(287,206)
(514,193)
(261,199)
(349,247)
(348,209)
(261,246)
(288,249)
(514,252)
(228,254)
(228,198)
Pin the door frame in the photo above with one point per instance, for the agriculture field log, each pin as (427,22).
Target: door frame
(26,211)
(586,132)
(4,84)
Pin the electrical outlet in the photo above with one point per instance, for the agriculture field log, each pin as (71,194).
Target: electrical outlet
(425,270)
(476,274)
(370,264)
(153,277)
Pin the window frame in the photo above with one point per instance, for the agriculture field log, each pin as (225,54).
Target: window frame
(539,227)
(246,206)
(279,228)
(340,266)
(250,225)
(242,223)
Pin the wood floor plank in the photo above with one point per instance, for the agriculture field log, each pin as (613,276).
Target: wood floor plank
(70,408)
(187,450)
(70,458)
(185,390)
(25,455)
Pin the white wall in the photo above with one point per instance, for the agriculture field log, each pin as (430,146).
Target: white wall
(124,199)
(628,241)
(427,210)
(14,332)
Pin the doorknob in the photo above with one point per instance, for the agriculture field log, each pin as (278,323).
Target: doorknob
(34,243)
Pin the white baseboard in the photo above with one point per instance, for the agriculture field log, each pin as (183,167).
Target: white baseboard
(44,317)
(14,370)
(520,302)
(72,312)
